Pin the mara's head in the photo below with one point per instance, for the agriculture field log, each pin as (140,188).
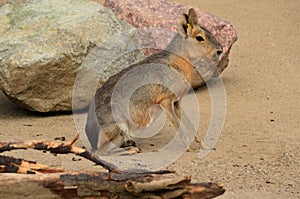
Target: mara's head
(197,35)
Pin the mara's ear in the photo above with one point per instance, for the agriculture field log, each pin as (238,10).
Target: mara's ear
(188,22)
(183,25)
(192,17)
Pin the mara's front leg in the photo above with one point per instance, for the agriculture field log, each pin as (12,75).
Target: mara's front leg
(198,143)
(186,131)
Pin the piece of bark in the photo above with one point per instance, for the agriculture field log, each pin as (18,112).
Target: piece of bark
(104,185)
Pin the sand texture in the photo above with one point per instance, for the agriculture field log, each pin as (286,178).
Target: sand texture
(258,152)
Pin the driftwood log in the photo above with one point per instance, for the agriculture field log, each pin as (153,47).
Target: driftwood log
(19,177)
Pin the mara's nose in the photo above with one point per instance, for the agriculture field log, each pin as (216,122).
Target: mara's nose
(217,54)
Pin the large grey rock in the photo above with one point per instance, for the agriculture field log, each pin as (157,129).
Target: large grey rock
(44,42)
(157,21)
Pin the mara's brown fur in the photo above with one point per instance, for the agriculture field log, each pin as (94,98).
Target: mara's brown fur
(192,51)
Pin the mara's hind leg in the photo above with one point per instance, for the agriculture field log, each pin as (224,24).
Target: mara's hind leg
(112,140)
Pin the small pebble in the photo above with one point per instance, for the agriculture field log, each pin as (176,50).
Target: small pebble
(76,158)
(60,138)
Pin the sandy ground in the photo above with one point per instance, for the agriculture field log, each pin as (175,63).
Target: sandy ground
(258,152)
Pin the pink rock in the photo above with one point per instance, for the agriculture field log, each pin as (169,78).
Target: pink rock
(155,19)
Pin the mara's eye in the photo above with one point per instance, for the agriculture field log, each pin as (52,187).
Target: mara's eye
(199,38)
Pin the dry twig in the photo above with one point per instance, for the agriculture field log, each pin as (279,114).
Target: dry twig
(56,148)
